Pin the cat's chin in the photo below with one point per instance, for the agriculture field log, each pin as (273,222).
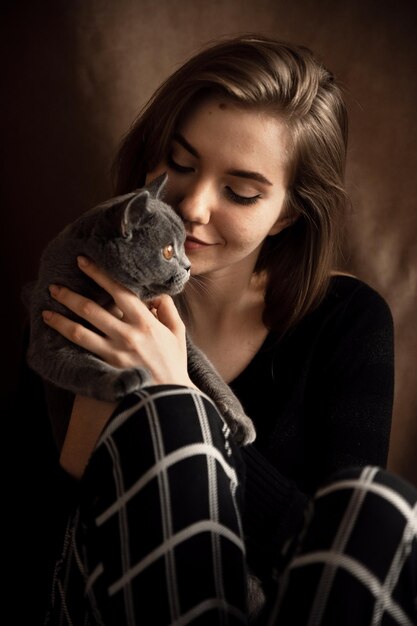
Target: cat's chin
(172,289)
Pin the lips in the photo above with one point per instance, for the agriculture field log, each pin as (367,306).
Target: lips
(193,243)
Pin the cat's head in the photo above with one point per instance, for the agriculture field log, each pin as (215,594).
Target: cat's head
(141,242)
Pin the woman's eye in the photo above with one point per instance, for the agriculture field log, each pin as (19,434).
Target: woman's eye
(177,167)
(242,199)
(168,252)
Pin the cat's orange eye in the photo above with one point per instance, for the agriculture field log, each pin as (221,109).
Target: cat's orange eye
(168,252)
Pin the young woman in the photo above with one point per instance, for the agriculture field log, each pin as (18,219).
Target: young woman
(170,514)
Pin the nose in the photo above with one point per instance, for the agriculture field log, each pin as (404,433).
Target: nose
(196,203)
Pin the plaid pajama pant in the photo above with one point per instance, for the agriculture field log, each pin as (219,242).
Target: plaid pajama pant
(156,537)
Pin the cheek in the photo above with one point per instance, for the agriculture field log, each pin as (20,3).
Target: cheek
(255,223)
(243,234)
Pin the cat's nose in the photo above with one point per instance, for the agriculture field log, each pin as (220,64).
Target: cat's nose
(186,263)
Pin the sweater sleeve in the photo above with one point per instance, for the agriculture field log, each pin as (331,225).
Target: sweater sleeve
(335,395)
(351,396)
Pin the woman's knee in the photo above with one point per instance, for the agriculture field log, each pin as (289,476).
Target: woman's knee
(358,551)
(364,511)
(169,417)
(170,430)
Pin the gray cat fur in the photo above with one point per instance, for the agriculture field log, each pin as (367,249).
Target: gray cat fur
(125,237)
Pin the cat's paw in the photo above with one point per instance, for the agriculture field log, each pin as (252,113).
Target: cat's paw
(129,381)
(243,430)
(241,426)
(255,597)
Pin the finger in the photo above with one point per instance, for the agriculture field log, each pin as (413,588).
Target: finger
(76,333)
(167,313)
(114,310)
(125,299)
(87,309)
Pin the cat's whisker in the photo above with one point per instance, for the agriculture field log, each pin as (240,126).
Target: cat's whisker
(200,284)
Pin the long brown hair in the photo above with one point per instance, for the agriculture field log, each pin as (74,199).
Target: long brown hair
(287,80)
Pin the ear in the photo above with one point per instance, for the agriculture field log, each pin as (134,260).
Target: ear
(157,186)
(134,212)
(281,224)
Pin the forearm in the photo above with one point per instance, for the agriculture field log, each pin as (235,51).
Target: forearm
(87,420)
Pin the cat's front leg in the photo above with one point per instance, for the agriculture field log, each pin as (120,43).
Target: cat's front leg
(203,374)
(69,367)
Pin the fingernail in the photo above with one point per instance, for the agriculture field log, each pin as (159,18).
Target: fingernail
(54,290)
(46,315)
(82,261)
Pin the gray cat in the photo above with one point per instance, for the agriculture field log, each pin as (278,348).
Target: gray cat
(138,240)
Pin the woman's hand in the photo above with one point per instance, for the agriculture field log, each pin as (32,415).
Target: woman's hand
(134,335)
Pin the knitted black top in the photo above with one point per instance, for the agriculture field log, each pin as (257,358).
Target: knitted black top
(321,399)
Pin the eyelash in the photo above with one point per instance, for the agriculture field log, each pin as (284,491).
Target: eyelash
(178,168)
(234,197)
(241,199)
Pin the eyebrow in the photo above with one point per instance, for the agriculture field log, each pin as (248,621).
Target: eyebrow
(234,172)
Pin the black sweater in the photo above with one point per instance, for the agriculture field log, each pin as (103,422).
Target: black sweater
(321,399)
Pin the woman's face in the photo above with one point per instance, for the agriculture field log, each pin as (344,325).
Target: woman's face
(227,180)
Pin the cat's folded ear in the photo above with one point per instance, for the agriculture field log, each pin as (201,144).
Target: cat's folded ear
(135,212)
(125,213)
(122,214)
(139,207)
(157,186)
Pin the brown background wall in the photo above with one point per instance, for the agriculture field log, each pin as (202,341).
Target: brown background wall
(75,73)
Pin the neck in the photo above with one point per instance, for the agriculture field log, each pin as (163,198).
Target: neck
(217,300)
(224,319)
